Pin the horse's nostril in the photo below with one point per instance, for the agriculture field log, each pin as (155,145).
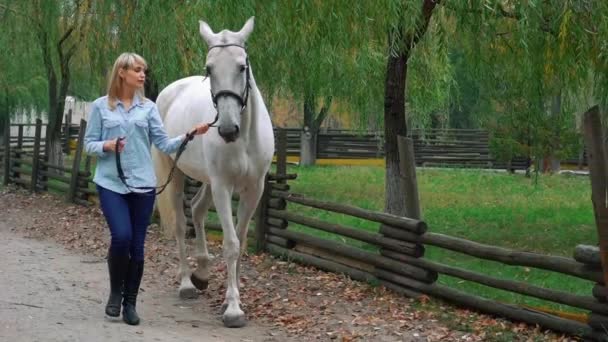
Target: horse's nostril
(229,134)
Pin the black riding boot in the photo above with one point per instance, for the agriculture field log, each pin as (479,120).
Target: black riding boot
(136,271)
(117,266)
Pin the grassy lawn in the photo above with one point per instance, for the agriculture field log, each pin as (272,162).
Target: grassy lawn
(551,216)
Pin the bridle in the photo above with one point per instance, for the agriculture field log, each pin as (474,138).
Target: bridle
(242,99)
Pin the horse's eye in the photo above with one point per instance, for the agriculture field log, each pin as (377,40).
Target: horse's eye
(243,68)
(208,68)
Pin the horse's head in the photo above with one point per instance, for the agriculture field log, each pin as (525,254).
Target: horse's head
(228,71)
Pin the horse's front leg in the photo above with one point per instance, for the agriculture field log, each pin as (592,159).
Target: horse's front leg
(200,207)
(248,202)
(233,316)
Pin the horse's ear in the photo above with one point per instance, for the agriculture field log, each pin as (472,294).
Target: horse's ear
(247,29)
(206,32)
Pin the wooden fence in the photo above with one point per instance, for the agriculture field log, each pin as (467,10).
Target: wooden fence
(393,255)
(26,163)
(433,147)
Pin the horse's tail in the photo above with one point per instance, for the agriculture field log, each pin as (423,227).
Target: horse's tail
(170,202)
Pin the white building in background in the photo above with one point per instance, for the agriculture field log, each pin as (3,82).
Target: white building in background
(80,110)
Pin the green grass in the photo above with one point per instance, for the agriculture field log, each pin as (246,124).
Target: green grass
(500,209)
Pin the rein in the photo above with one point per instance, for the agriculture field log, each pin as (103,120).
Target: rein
(190,135)
(180,150)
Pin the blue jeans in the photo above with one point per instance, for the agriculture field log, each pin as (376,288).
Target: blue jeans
(128,216)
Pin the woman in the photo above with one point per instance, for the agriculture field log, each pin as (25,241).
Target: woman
(126,114)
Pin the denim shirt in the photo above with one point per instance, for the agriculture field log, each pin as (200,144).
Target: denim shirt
(141,125)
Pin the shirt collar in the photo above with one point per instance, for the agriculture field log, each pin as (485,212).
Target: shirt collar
(137,102)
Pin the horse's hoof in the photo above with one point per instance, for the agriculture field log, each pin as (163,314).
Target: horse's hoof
(199,283)
(237,321)
(188,293)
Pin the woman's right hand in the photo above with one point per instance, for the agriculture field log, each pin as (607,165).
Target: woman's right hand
(110,145)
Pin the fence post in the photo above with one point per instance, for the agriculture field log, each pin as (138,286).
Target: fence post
(36,156)
(261,218)
(281,154)
(66,132)
(597,171)
(76,165)
(7,153)
(407,171)
(18,151)
(83,182)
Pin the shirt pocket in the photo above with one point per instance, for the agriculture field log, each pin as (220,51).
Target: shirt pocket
(111,129)
(142,129)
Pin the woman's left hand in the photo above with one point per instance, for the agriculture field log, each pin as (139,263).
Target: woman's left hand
(200,129)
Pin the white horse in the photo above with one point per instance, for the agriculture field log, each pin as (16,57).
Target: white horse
(235,157)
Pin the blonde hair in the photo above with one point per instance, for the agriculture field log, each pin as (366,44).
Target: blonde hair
(126,60)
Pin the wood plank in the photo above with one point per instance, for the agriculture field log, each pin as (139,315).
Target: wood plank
(354,233)
(317,252)
(413,225)
(589,255)
(358,255)
(594,140)
(508,256)
(326,265)
(583,302)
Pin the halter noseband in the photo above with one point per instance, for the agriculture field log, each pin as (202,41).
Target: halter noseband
(242,99)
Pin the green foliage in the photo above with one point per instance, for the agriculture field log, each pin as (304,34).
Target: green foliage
(523,56)
(21,82)
(498,209)
(493,63)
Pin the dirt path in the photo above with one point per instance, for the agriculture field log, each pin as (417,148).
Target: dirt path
(53,286)
(50,294)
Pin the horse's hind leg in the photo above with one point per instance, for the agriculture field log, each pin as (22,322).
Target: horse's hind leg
(171,207)
(186,288)
(200,206)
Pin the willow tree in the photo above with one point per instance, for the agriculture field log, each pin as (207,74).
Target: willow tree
(51,33)
(21,83)
(532,61)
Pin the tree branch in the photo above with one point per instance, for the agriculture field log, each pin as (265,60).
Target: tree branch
(323,113)
(65,36)
(427,12)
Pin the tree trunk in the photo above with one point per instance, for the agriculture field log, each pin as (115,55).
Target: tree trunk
(151,86)
(556,108)
(311,128)
(53,133)
(308,147)
(308,136)
(394,125)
